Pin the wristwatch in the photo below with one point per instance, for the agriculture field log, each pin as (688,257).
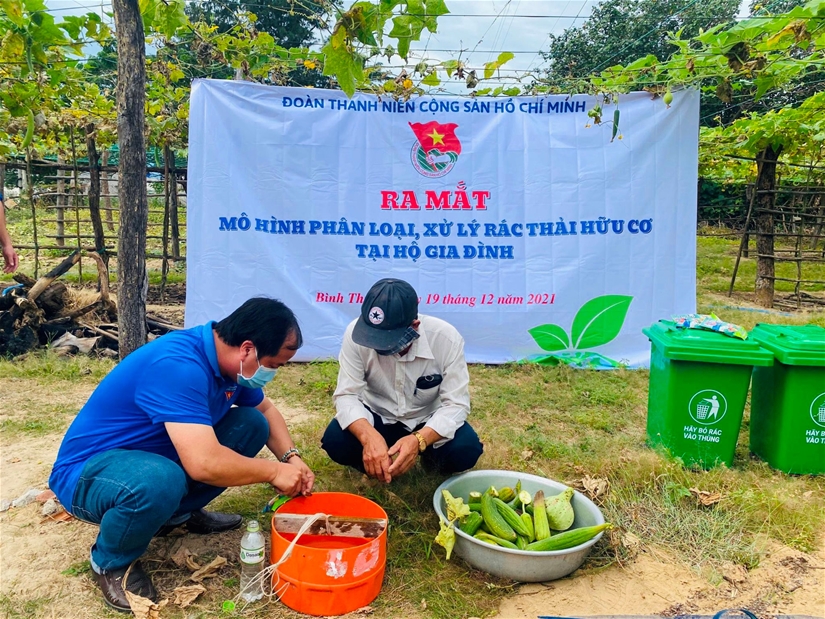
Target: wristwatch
(422,443)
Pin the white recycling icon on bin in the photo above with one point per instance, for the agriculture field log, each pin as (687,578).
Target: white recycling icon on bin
(707,406)
(822,413)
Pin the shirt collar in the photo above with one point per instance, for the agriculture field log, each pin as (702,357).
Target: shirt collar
(420,347)
(209,348)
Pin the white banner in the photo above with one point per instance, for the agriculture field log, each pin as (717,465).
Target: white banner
(531,229)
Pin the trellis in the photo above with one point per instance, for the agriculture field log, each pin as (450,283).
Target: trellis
(63,206)
(798,219)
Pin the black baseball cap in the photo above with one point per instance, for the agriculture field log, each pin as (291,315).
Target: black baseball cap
(386,317)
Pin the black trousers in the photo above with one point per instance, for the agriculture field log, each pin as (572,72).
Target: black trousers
(459,454)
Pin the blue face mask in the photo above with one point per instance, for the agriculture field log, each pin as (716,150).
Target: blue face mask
(259,379)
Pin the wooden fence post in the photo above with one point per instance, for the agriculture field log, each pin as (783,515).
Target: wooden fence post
(173,213)
(105,191)
(765,198)
(164,268)
(94,193)
(61,202)
(34,210)
(75,193)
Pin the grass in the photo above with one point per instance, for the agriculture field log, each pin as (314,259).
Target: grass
(550,421)
(77,569)
(716,257)
(12,608)
(47,368)
(34,424)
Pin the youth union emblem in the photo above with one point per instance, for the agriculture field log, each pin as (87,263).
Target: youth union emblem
(436,148)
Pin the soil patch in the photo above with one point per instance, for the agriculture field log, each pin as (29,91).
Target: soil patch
(787,582)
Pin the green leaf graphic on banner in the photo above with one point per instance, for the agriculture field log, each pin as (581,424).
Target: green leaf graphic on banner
(578,359)
(550,337)
(599,320)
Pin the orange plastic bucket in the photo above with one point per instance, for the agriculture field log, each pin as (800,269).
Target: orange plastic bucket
(329,575)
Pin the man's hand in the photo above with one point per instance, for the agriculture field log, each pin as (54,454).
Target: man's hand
(374,453)
(406,450)
(376,457)
(307,476)
(287,479)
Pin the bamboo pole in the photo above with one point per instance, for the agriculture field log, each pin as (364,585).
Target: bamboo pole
(742,245)
(164,268)
(76,207)
(34,210)
(173,214)
(61,201)
(94,193)
(104,190)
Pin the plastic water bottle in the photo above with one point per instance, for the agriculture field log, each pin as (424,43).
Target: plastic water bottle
(253,547)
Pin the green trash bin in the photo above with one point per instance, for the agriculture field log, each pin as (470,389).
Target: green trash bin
(788,402)
(698,387)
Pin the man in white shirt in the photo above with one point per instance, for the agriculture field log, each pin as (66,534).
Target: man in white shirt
(403,390)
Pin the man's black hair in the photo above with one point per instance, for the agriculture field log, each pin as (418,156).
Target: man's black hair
(265,322)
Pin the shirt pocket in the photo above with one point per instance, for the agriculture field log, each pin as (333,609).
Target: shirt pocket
(427,388)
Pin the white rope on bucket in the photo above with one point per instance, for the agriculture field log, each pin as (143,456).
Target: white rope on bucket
(257,583)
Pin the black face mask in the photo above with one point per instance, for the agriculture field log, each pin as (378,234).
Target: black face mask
(410,335)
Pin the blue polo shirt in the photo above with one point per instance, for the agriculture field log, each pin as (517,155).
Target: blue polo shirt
(174,378)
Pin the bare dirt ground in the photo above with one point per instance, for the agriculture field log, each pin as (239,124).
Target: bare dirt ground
(37,556)
(786,583)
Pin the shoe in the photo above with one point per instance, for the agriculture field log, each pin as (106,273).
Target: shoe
(111,584)
(204,522)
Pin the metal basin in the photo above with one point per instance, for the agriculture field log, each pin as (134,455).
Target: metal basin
(518,565)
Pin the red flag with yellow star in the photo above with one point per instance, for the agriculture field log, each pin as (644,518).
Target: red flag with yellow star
(433,135)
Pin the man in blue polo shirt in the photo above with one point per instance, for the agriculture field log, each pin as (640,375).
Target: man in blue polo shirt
(170,428)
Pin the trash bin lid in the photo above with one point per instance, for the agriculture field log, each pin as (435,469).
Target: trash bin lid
(793,345)
(706,346)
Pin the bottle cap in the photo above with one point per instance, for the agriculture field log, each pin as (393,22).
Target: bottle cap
(253,526)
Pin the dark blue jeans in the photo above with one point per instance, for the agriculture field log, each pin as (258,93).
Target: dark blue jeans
(131,493)
(459,454)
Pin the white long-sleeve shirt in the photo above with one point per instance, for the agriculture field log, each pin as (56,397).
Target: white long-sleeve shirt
(387,383)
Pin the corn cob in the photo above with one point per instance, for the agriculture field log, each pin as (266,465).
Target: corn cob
(542,527)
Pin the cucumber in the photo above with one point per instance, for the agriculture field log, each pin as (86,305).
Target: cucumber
(568,539)
(471,523)
(492,539)
(512,518)
(494,520)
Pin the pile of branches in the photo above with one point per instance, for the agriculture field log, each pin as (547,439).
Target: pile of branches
(37,313)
